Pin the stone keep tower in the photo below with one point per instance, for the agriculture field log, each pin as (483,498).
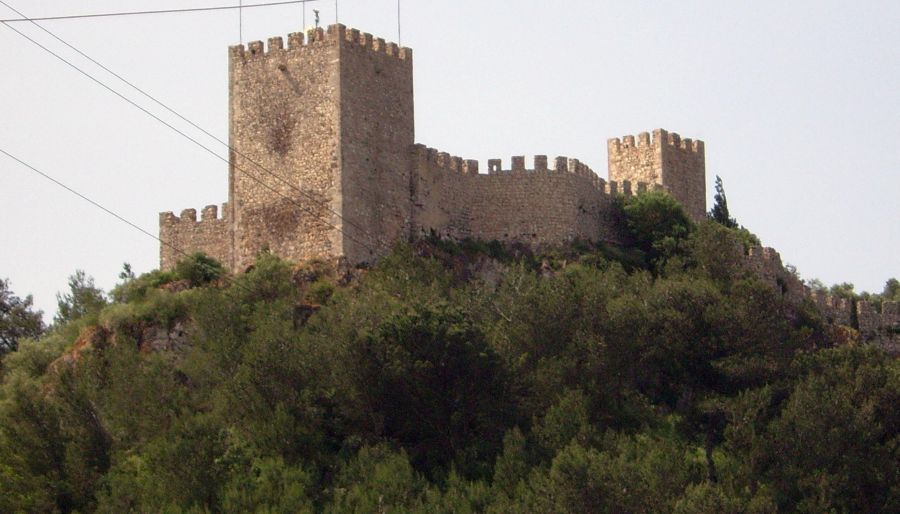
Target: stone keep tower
(678,165)
(320,132)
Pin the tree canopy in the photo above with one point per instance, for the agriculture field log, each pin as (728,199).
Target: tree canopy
(18,320)
(453,377)
(719,212)
(82,298)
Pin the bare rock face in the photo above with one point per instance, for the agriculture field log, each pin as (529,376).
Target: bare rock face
(162,339)
(176,286)
(91,338)
(150,339)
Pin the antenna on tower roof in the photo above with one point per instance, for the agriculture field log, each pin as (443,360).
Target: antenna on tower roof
(399,39)
(241,22)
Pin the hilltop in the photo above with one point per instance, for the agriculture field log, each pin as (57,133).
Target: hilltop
(666,375)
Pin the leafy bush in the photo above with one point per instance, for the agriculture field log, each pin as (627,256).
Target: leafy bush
(82,300)
(321,291)
(658,225)
(135,289)
(17,319)
(199,269)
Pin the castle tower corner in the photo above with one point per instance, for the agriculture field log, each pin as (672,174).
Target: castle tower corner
(664,159)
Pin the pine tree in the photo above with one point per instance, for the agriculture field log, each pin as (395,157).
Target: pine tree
(83,298)
(719,211)
(17,319)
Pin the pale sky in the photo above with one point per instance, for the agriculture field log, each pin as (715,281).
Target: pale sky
(798,103)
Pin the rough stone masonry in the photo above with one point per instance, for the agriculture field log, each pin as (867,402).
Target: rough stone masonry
(324,165)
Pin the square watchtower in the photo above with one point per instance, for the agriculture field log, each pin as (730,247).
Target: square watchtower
(678,165)
(319,132)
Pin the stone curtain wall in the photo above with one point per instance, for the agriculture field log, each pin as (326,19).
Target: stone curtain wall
(440,190)
(678,165)
(835,309)
(211,235)
(881,328)
(766,264)
(537,207)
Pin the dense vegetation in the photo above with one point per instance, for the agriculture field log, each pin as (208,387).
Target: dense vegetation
(455,378)
(17,319)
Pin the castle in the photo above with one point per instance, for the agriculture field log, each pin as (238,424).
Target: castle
(324,164)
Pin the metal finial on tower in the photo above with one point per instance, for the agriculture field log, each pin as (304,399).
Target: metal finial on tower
(316,12)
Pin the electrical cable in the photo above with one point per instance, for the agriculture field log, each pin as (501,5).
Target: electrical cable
(114,214)
(180,116)
(199,144)
(161,11)
(82,196)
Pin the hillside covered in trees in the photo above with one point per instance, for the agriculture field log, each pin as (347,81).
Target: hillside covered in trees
(454,378)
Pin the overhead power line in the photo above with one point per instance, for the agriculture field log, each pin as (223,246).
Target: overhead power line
(160,11)
(191,139)
(83,197)
(115,215)
(130,84)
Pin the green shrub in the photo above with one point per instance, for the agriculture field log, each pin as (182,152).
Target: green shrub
(320,291)
(137,288)
(658,225)
(199,269)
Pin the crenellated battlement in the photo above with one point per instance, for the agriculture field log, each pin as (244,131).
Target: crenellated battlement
(318,38)
(827,300)
(834,308)
(870,319)
(672,139)
(182,234)
(659,139)
(444,160)
(210,213)
(366,40)
(617,145)
(541,165)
